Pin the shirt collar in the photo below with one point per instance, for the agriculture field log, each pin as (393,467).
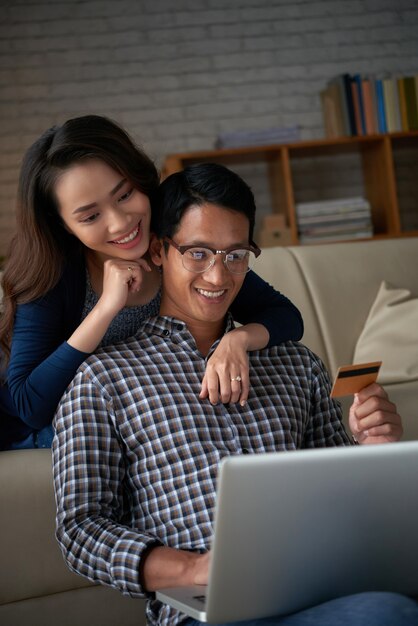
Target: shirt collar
(165,327)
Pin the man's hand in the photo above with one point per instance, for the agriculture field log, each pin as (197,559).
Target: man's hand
(373,418)
(167,567)
(201,573)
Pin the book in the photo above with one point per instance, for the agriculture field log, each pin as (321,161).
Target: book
(336,205)
(416,90)
(343,104)
(397,104)
(411,102)
(354,216)
(328,229)
(261,137)
(337,97)
(357,79)
(335,110)
(390,96)
(368,105)
(381,118)
(332,219)
(402,104)
(329,114)
(362,234)
(356,106)
(346,80)
(374,102)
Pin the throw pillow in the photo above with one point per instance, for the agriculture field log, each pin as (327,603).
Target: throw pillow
(390,334)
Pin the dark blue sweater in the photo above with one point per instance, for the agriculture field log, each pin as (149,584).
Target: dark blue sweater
(42,363)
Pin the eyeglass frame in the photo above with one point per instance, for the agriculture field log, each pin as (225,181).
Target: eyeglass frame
(183,249)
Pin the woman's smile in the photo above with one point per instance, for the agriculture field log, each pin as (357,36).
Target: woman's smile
(130,240)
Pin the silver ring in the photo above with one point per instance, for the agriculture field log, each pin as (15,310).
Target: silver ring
(237,378)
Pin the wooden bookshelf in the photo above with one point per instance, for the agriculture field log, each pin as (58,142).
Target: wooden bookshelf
(380,174)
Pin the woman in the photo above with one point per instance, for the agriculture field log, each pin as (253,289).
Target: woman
(78,276)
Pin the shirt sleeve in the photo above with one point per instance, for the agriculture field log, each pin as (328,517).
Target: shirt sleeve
(324,427)
(41,364)
(92,501)
(259,302)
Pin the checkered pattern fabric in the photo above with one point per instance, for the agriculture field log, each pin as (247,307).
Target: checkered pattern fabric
(136,452)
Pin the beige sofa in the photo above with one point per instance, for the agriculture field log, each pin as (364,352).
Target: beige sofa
(36,587)
(334,285)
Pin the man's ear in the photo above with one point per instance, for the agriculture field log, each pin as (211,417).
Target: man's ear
(156,250)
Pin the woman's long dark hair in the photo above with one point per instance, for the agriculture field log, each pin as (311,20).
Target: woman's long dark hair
(38,250)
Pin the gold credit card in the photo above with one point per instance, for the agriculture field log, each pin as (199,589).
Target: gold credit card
(352,378)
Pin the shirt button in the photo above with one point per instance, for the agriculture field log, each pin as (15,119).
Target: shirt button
(166,333)
(245,451)
(179,326)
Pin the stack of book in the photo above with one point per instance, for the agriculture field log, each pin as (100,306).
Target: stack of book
(334,220)
(241,138)
(363,105)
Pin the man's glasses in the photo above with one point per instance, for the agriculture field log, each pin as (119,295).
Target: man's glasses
(200,259)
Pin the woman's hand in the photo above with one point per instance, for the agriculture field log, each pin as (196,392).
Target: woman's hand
(227,372)
(120,278)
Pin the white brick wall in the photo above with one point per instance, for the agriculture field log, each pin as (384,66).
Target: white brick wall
(177,72)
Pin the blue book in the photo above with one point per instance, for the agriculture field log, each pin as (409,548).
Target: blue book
(381,113)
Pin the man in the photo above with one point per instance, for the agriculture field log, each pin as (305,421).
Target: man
(136,452)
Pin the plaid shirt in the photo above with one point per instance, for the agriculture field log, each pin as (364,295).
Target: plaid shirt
(136,452)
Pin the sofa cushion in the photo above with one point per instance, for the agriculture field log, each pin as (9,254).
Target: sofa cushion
(36,585)
(390,335)
(279,267)
(343,280)
(32,563)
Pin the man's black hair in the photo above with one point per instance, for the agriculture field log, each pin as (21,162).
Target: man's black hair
(196,185)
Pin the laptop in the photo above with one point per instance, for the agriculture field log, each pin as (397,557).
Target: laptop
(294,529)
